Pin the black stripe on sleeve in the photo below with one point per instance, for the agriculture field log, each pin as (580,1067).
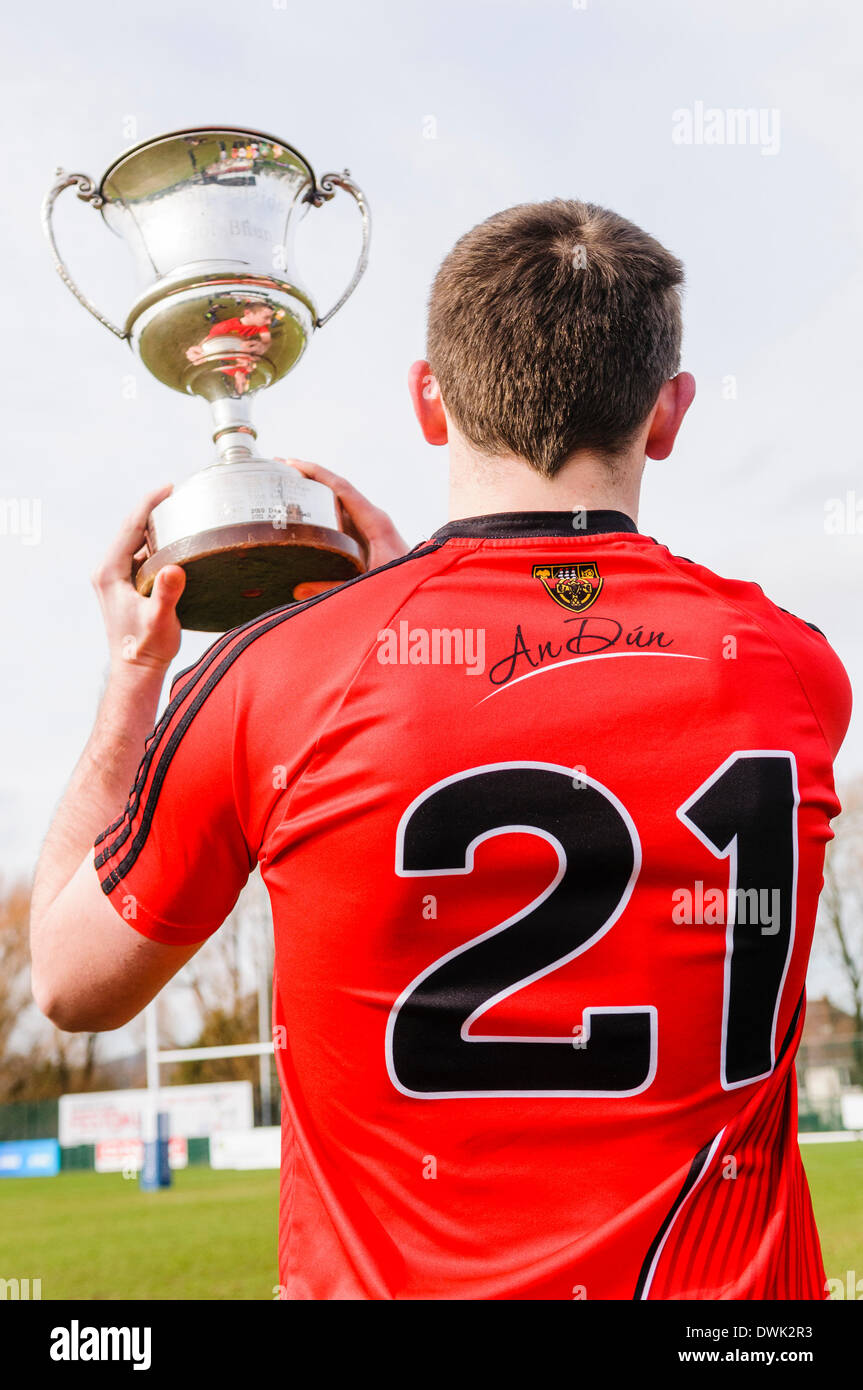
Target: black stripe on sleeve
(203,664)
(257,627)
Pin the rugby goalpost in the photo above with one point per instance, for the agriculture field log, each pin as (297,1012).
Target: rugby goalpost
(257,908)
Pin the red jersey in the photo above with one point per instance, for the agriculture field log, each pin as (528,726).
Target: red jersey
(542,812)
(235,328)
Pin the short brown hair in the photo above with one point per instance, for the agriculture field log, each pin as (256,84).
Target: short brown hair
(552,327)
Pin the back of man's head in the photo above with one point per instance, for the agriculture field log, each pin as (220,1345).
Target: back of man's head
(552,327)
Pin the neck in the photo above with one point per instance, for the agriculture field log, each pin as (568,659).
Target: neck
(481,485)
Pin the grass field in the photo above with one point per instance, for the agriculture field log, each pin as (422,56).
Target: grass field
(213,1235)
(95,1235)
(835,1173)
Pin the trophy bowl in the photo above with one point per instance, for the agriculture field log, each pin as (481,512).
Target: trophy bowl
(209,215)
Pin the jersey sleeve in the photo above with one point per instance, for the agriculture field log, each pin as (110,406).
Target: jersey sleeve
(822,676)
(819,671)
(220,769)
(174,863)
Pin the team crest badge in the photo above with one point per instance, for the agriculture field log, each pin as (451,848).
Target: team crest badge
(574,587)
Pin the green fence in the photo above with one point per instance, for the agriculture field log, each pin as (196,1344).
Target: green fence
(77,1158)
(199,1153)
(36,1119)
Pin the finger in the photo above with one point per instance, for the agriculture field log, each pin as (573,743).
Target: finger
(138,559)
(117,563)
(344,490)
(311,590)
(339,487)
(167,588)
(374,525)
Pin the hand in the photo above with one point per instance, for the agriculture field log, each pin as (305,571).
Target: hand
(367,524)
(142,632)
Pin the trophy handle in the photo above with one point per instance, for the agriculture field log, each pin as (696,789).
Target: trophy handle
(321,193)
(88,193)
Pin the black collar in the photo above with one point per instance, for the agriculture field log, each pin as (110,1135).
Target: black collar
(500,525)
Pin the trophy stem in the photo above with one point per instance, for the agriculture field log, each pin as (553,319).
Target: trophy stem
(234,434)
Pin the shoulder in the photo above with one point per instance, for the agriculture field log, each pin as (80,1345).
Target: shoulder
(803,644)
(751,599)
(321,634)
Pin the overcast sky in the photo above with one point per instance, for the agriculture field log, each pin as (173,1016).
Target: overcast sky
(444,113)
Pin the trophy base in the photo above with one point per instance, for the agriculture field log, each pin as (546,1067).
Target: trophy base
(234,573)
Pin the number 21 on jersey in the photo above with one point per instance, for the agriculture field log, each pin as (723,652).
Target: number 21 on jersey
(745,812)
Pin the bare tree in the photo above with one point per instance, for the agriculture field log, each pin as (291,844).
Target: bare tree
(14,983)
(14,956)
(37,1060)
(224,979)
(839,933)
(224,971)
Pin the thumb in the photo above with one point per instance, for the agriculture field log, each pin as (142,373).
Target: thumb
(167,588)
(312,588)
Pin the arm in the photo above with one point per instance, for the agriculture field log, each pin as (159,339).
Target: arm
(102,950)
(90,969)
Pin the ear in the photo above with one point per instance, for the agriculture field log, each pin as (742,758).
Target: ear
(674,399)
(427,403)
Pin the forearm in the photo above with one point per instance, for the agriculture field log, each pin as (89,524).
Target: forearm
(103,776)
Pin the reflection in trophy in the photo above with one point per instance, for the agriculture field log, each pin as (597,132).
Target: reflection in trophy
(254,327)
(210,216)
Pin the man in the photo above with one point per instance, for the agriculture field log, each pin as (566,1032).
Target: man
(542,812)
(253,325)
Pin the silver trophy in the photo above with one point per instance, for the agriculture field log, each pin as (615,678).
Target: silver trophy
(210,217)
